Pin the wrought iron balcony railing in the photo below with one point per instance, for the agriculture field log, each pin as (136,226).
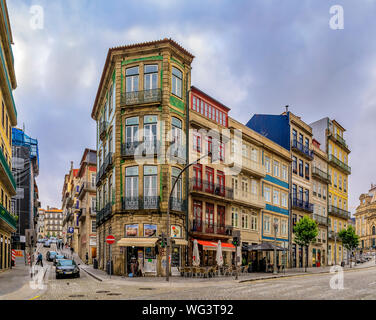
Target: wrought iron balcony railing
(320,219)
(320,174)
(100,174)
(302,205)
(335,211)
(211,188)
(304,150)
(201,226)
(151,202)
(140,97)
(7,217)
(339,164)
(108,162)
(178,152)
(139,203)
(178,204)
(6,172)
(103,129)
(129,148)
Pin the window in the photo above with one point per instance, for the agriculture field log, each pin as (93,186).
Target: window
(253,186)
(340,182)
(194,101)
(210,144)
(294,165)
(307,143)
(234,217)
(197,177)
(284,172)
(93,226)
(221,216)
(150,181)
(131,79)
(284,199)
(209,175)
(267,164)
(221,183)
(93,180)
(301,168)
(294,191)
(176,132)
(276,197)
(254,222)
(177,194)
(177,77)
(307,171)
(150,76)
(245,224)
(276,168)
(254,154)
(131,182)
(150,132)
(267,194)
(196,142)
(335,179)
(284,227)
(197,216)
(266,223)
(209,217)
(344,184)
(221,151)
(294,135)
(301,139)
(131,131)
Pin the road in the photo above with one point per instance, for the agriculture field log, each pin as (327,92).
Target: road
(357,284)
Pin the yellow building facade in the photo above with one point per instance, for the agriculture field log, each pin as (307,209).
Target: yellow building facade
(8,119)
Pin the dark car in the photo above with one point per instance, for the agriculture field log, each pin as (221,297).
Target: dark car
(50,255)
(57,257)
(67,267)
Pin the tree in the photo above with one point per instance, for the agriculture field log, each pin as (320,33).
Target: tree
(350,240)
(305,232)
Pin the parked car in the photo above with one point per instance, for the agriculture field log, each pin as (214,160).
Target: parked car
(41,240)
(50,255)
(67,267)
(57,257)
(47,244)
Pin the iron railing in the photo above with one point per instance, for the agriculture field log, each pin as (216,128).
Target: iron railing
(103,128)
(202,226)
(7,217)
(301,204)
(151,202)
(140,97)
(139,203)
(321,174)
(86,186)
(107,162)
(178,152)
(129,148)
(339,212)
(339,164)
(297,145)
(211,188)
(100,174)
(178,204)
(320,219)
(7,170)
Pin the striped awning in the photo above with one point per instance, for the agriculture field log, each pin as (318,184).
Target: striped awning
(210,245)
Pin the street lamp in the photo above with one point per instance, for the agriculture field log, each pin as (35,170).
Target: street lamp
(168,247)
(275,248)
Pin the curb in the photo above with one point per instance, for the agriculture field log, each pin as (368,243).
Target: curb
(92,274)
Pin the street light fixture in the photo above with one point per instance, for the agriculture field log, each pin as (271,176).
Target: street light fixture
(168,247)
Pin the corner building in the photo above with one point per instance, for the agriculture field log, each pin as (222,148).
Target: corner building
(140,110)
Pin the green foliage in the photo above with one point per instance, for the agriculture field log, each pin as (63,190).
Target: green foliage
(349,238)
(305,231)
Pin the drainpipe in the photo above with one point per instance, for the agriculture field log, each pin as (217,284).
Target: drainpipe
(187,161)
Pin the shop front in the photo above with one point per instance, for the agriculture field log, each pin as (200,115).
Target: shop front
(208,252)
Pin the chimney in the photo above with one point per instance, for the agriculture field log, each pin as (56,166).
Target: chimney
(287,108)
(71,165)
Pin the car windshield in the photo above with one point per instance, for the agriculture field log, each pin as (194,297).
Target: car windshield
(66,263)
(59,256)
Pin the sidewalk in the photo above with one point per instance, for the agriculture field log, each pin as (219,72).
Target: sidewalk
(101,275)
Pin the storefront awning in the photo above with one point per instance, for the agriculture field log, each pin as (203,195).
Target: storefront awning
(209,245)
(180,242)
(137,242)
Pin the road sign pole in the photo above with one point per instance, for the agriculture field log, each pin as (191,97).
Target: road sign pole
(110,260)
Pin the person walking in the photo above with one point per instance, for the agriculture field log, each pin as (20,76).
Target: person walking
(87,257)
(72,250)
(40,259)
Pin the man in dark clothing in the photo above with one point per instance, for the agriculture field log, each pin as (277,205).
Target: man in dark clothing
(40,259)
(87,258)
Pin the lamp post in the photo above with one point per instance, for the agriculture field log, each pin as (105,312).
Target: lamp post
(168,247)
(275,248)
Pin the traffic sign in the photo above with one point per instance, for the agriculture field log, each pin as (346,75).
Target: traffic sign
(110,239)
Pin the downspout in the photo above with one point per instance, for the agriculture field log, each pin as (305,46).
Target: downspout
(187,161)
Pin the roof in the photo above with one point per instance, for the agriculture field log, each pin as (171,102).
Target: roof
(193,88)
(131,46)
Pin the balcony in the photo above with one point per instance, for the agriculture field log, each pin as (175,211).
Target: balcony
(128,149)
(100,174)
(322,175)
(8,218)
(337,138)
(140,203)
(302,205)
(338,212)
(6,175)
(332,235)
(178,204)
(320,219)
(200,226)
(249,166)
(339,164)
(212,190)
(86,187)
(247,198)
(103,129)
(302,149)
(107,165)
(140,97)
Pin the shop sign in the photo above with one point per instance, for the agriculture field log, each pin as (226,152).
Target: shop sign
(131,230)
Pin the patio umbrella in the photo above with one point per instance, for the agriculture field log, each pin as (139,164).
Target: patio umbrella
(219,257)
(196,255)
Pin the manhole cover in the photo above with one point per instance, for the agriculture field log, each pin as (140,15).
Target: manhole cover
(102,291)
(114,294)
(145,288)
(76,296)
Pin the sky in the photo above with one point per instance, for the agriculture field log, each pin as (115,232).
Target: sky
(254,56)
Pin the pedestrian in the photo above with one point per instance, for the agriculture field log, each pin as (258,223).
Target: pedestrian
(87,257)
(72,250)
(40,259)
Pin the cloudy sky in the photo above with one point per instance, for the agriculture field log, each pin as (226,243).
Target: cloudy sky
(255,56)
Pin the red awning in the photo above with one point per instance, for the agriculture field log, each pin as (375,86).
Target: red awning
(210,245)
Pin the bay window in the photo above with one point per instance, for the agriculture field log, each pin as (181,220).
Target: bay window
(177,77)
